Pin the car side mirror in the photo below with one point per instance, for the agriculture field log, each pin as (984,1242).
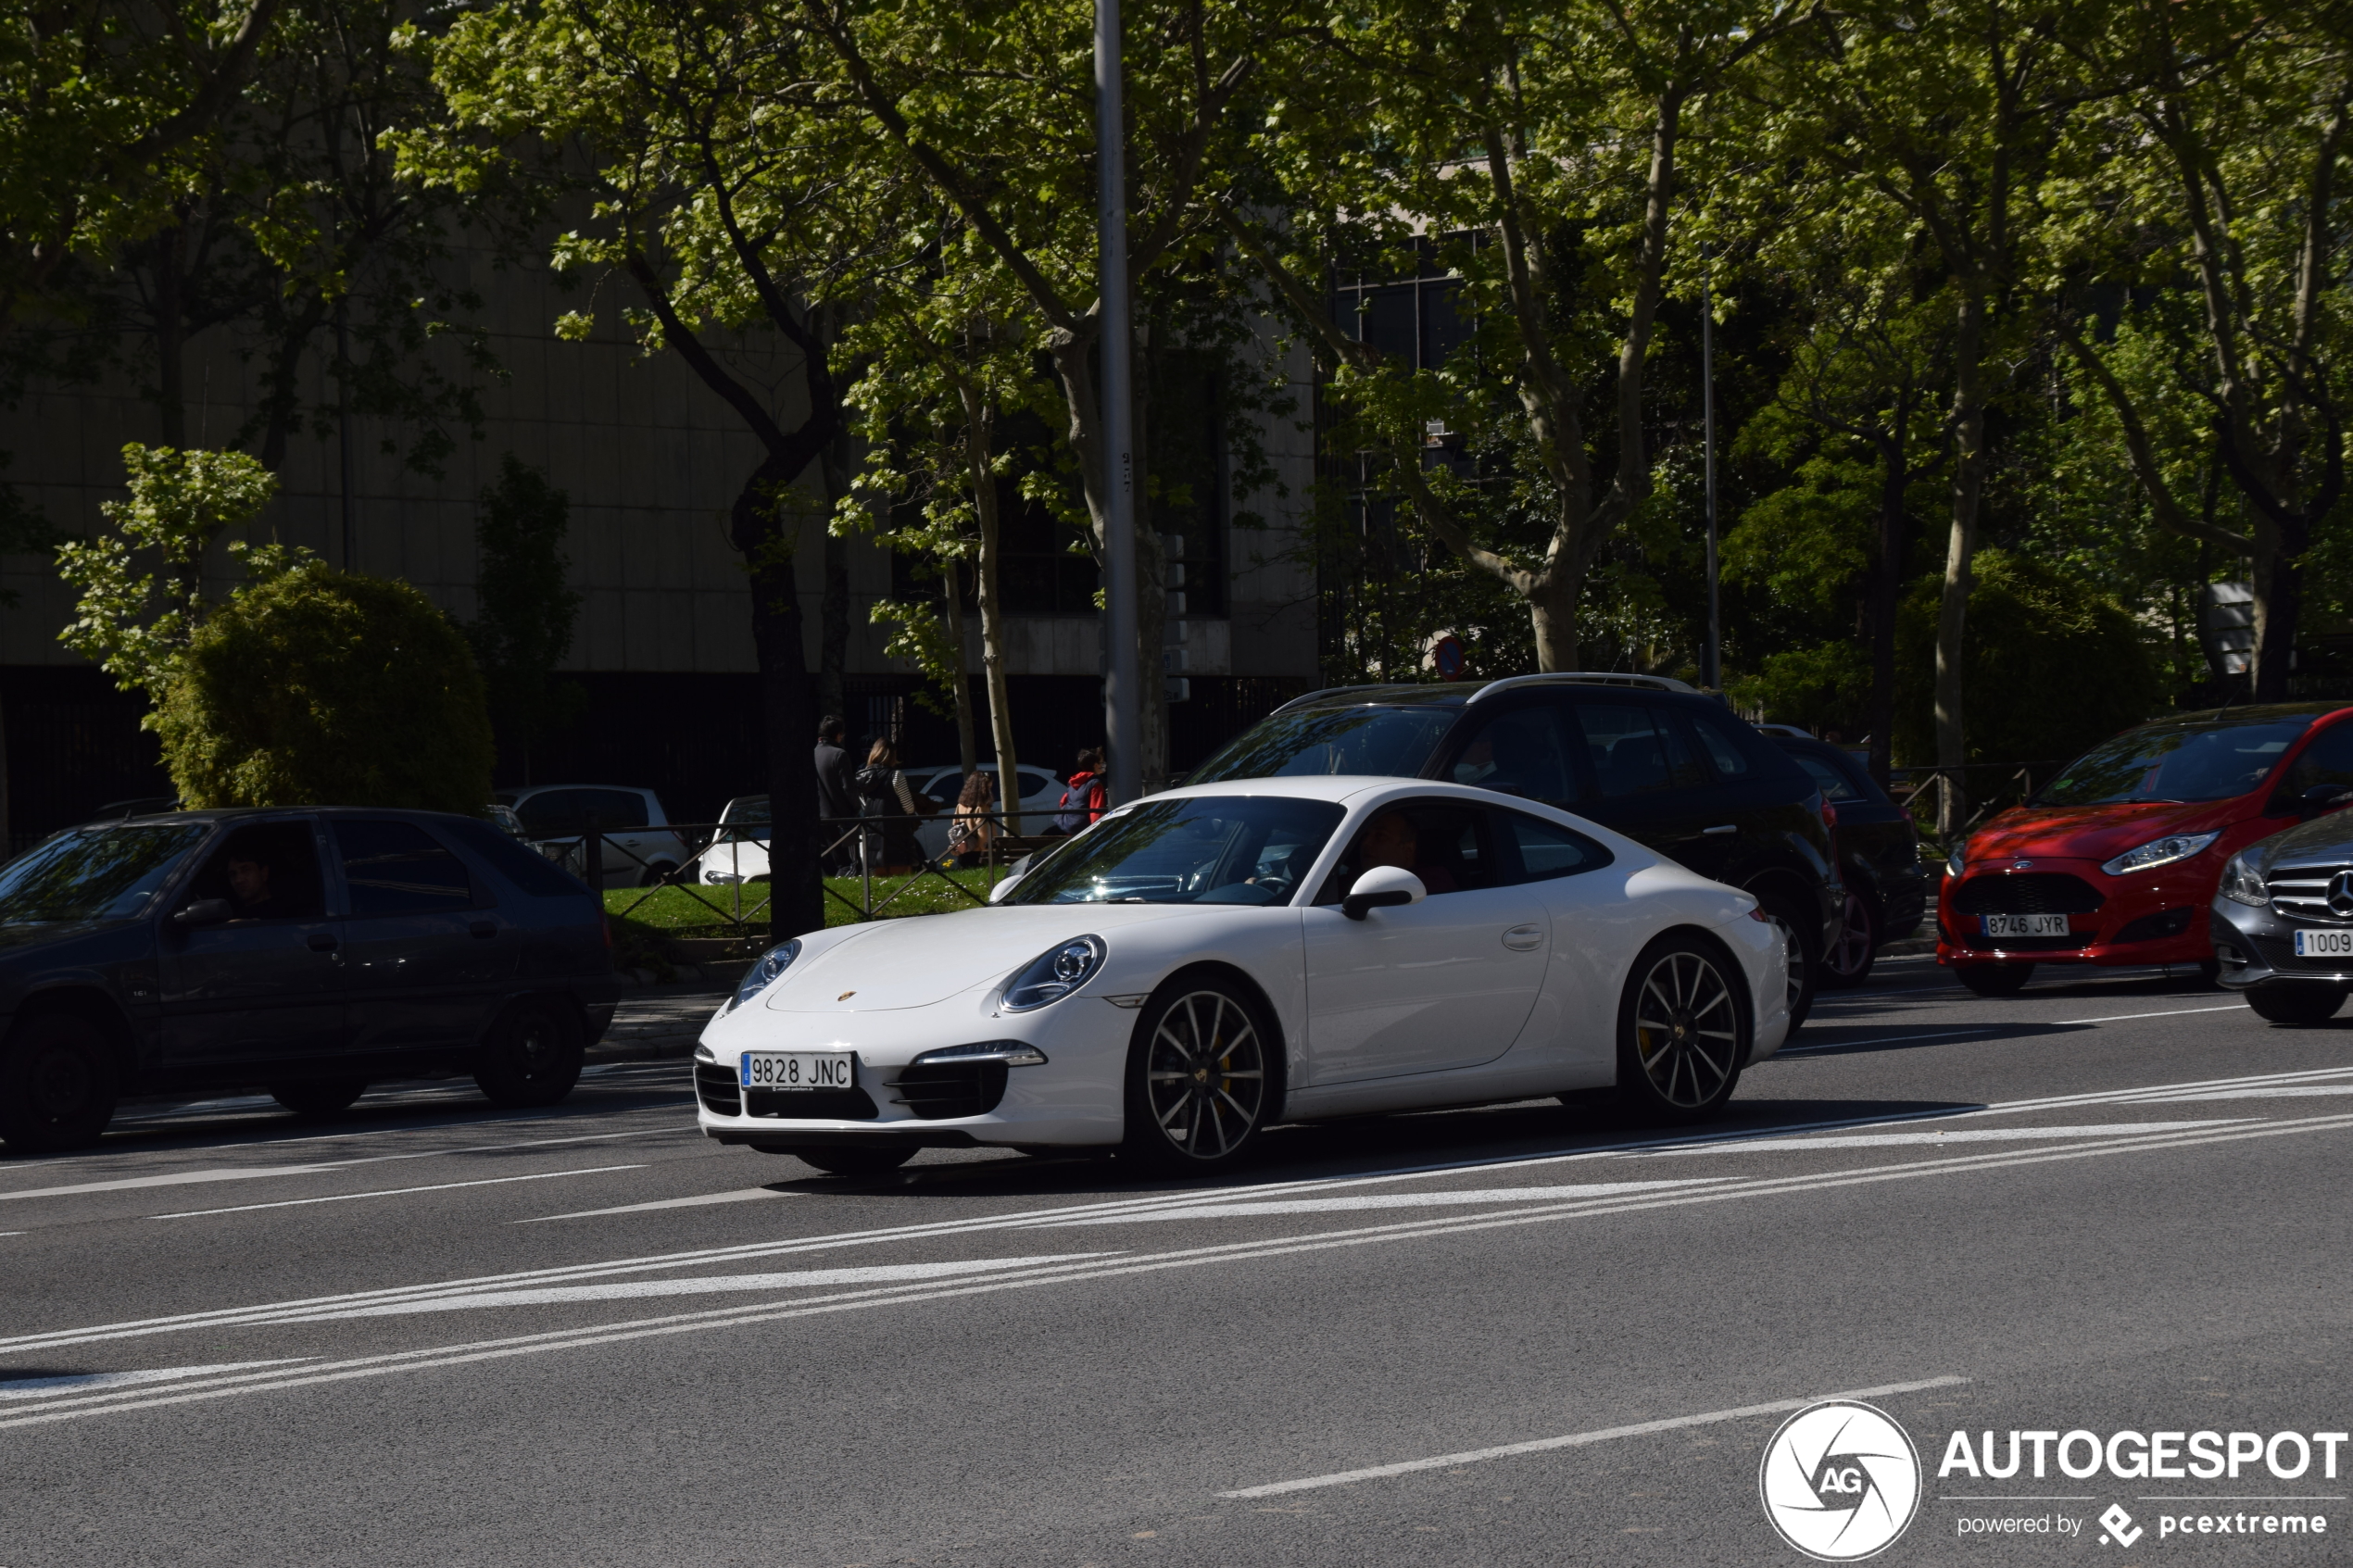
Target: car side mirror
(206,912)
(2313,802)
(1380,888)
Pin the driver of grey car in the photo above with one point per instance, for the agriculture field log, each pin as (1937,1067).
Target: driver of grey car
(250,887)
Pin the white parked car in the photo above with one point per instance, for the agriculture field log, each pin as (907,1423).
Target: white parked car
(1204,962)
(738,852)
(639,847)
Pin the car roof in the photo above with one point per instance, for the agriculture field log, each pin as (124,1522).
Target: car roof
(522,792)
(1457,694)
(1342,789)
(2251,712)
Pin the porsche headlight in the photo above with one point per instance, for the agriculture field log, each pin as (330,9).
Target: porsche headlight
(2159,852)
(763,971)
(2242,883)
(1055,974)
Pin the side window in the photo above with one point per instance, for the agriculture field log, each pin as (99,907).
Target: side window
(1446,843)
(1734,755)
(1546,849)
(398,868)
(526,868)
(1523,752)
(1031,783)
(1638,751)
(1827,778)
(552,813)
(614,809)
(267,871)
(2328,760)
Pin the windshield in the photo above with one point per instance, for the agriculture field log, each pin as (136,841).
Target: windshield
(91,874)
(1391,742)
(1219,849)
(2175,762)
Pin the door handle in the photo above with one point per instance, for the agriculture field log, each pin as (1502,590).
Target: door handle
(322,942)
(484,928)
(1725,827)
(1523,938)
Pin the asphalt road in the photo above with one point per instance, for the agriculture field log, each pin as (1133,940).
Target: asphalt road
(436,1334)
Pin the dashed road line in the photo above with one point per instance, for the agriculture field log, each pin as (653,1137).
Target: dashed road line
(393,1192)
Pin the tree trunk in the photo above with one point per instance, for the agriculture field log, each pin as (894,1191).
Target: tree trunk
(796,893)
(961,685)
(2279,593)
(1969,484)
(1551,610)
(1879,606)
(980,424)
(833,609)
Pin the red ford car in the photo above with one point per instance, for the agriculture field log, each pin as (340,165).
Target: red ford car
(2116,860)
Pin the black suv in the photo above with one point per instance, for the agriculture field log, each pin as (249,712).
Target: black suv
(305,951)
(1878,859)
(1651,758)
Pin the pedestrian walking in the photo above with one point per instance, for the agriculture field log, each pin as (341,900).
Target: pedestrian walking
(973,832)
(836,797)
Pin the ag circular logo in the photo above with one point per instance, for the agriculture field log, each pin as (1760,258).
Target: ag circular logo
(1840,1481)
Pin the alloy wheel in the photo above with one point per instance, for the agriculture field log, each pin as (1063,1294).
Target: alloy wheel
(1205,1074)
(1686,1030)
(1852,955)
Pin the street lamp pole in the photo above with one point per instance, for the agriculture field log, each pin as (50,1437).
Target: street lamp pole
(1711,670)
(1123,691)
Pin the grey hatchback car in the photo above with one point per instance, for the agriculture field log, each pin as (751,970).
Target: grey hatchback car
(308,952)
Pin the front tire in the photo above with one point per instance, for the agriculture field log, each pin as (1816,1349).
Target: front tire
(1995,979)
(1804,952)
(531,1059)
(1848,963)
(2295,1004)
(1199,1076)
(318,1097)
(1682,1035)
(56,1085)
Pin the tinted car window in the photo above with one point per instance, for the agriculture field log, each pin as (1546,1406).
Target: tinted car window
(2328,760)
(92,873)
(1637,750)
(614,809)
(1736,751)
(551,813)
(1393,742)
(1546,849)
(1524,752)
(394,868)
(1442,842)
(2186,761)
(527,868)
(266,871)
(1827,778)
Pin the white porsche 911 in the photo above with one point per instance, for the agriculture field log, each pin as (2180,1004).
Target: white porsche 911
(1204,963)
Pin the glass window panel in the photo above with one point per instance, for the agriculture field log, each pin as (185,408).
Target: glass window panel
(393,867)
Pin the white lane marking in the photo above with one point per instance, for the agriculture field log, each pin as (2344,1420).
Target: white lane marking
(2275,1091)
(881,1274)
(2176,1013)
(1967,1134)
(1219,1211)
(1880,1040)
(178,1178)
(114,1154)
(393,1192)
(229,1316)
(741,1194)
(736,1317)
(1579,1439)
(77,1382)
